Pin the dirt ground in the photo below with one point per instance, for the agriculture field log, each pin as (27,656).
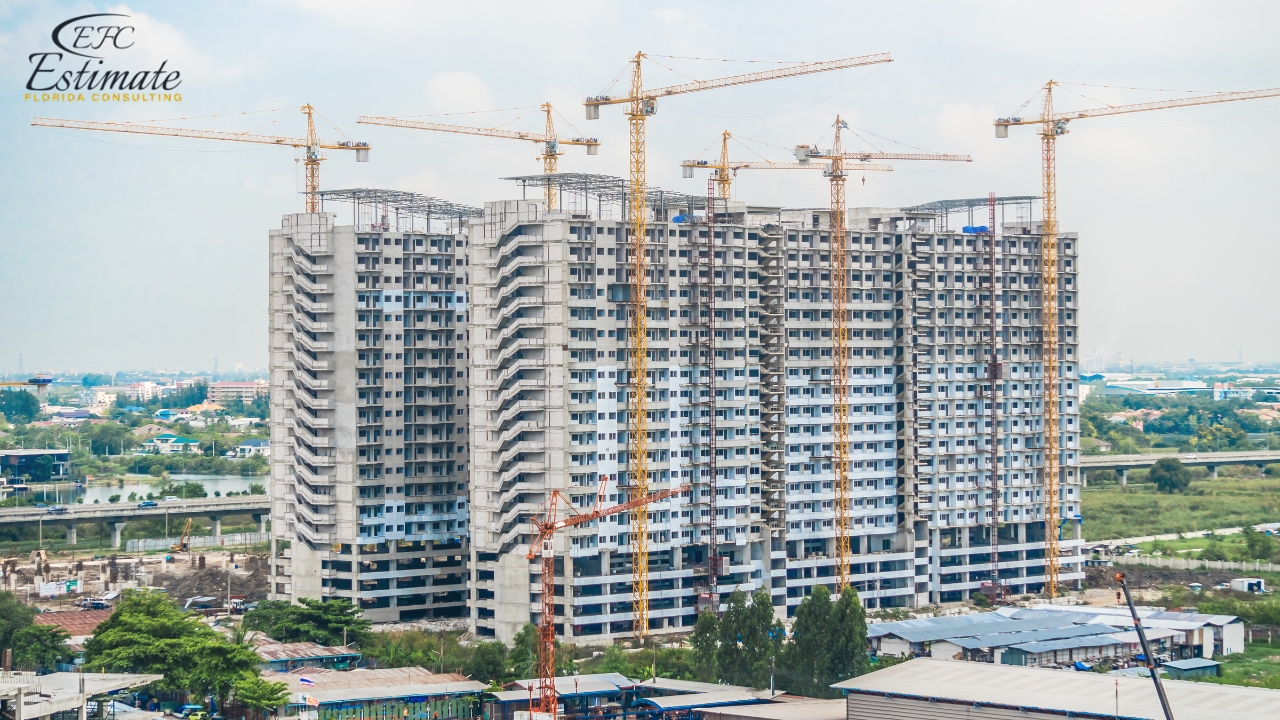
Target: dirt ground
(252,579)
(1143,577)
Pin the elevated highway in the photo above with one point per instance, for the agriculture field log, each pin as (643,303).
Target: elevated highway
(117,514)
(1122,464)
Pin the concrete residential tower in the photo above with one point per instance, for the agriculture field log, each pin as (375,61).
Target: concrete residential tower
(368,423)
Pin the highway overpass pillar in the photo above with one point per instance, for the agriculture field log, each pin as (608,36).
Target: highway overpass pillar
(71,533)
(1124,477)
(217,525)
(1213,471)
(117,528)
(262,522)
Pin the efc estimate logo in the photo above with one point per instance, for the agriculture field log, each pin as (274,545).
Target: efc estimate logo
(89,41)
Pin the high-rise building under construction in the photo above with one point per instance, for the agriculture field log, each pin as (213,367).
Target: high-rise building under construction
(368,415)
(740,409)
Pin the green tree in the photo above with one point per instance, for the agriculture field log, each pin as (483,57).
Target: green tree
(40,647)
(1169,475)
(147,634)
(337,622)
(42,469)
(807,655)
(1260,546)
(19,406)
(255,692)
(749,636)
(488,662)
(14,616)
(257,489)
(848,654)
(524,651)
(705,637)
(95,379)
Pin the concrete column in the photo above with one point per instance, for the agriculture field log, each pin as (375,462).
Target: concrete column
(1213,471)
(262,522)
(1124,477)
(1084,480)
(116,529)
(83,711)
(217,525)
(71,533)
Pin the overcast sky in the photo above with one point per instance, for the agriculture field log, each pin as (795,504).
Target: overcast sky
(122,251)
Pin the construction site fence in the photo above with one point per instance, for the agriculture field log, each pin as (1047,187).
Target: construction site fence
(1193,564)
(230,540)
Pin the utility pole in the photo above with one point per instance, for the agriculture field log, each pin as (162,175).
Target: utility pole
(773,669)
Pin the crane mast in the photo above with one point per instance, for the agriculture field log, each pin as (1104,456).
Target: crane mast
(638,425)
(1052,125)
(840,355)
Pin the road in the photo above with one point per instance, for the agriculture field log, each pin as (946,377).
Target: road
(117,514)
(1212,461)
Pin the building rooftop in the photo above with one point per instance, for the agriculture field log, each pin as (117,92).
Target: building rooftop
(61,692)
(272,651)
(1118,615)
(943,628)
(1008,639)
(782,707)
(1085,694)
(77,623)
(365,684)
(1191,664)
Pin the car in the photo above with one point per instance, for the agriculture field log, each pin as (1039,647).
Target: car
(40,505)
(148,504)
(171,498)
(1190,457)
(56,510)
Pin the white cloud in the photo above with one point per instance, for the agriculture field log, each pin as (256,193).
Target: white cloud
(670,15)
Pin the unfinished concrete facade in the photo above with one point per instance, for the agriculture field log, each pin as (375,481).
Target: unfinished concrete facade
(550,318)
(368,420)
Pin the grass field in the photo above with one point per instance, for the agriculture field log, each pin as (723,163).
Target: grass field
(1258,665)
(1115,512)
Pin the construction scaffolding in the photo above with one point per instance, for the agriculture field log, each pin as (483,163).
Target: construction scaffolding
(608,192)
(396,210)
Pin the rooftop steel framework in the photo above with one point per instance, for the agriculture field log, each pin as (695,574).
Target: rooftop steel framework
(405,206)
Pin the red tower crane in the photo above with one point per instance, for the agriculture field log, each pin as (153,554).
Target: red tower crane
(544,544)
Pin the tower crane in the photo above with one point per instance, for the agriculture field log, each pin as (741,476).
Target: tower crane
(39,382)
(641,103)
(311,143)
(1052,125)
(550,143)
(725,170)
(544,546)
(832,163)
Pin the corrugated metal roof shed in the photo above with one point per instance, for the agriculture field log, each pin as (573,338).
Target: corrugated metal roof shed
(1014,638)
(707,699)
(925,680)
(805,709)
(932,629)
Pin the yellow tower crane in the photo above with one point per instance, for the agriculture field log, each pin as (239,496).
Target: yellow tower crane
(550,143)
(311,143)
(833,165)
(643,102)
(725,169)
(1052,125)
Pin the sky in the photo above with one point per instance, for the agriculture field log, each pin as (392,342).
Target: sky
(136,252)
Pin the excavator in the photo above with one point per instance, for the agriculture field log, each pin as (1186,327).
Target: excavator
(184,541)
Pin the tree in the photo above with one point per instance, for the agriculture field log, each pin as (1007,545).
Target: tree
(41,469)
(40,647)
(1260,545)
(147,634)
(1169,475)
(257,489)
(337,622)
(19,406)
(524,651)
(14,615)
(488,662)
(254,692)
(848,639)
(95,379)
(749,635)
(807,655)
(705,633)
